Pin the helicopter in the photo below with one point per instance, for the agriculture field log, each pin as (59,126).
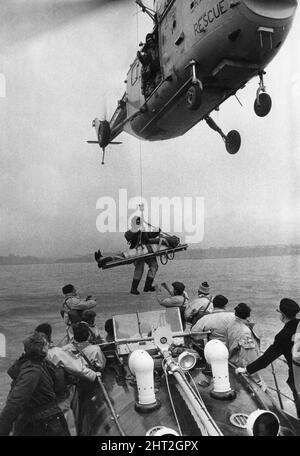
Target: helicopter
(201,53)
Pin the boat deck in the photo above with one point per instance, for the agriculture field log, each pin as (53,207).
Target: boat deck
(121,388)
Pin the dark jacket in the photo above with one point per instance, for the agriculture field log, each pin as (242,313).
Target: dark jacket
(140,237)
(33,389)
(282,345)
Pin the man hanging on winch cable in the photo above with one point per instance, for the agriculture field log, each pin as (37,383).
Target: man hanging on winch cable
(138,239)
(144,244)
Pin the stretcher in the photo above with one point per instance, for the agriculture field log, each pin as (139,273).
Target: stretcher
(165,255)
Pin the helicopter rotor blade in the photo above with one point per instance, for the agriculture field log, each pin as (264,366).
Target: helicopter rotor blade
(106,107)
(22,20)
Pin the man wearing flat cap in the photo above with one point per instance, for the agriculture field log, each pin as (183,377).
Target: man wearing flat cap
(282,345)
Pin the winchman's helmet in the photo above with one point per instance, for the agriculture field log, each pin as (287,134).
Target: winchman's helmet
(136,223)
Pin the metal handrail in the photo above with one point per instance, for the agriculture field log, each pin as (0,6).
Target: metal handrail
(282,394)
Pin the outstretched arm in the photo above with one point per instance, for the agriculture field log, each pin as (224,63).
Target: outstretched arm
(167,287)
(85,304)
(272,353)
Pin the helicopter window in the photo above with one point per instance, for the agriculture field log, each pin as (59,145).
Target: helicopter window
(195,3)
(174,23)
(234,35)
(134,73)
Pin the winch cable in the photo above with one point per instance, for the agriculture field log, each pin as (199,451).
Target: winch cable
(141,205)
(141,174)
(140,143)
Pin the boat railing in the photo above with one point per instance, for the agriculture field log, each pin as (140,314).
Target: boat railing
(276,389)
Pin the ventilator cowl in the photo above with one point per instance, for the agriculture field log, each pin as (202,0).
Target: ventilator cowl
(216,354)
(142,366)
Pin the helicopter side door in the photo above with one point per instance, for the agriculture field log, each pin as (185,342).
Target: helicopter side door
(172,37)
(134,96)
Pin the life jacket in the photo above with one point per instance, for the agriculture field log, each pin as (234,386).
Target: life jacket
(296,358)
(70,315)
(200,313)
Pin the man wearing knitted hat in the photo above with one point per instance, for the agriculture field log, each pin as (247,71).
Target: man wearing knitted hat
(199,306)
(282,345)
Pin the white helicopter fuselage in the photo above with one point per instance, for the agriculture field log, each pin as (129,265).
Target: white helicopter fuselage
(230,41)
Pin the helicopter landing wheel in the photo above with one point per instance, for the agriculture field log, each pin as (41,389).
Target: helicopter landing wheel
(194,97)
(233,142)
(262,104)
(104,134)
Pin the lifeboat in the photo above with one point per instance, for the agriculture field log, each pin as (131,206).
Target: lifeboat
(160,380)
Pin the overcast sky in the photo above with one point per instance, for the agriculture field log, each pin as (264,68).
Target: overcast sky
(64,62)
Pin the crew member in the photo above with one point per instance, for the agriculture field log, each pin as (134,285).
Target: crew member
(217,321)
(109,328)
(31,404)
(89,317)
(73,306)
(150,60)
(242,342)
(282,345)
(199,306)
(136,238)
(178,297)
(81,345)
(92,357)
(74,367)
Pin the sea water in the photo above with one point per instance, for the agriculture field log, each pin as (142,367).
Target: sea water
(31,294)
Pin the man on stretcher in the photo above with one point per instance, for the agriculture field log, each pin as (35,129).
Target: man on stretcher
(141,242)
